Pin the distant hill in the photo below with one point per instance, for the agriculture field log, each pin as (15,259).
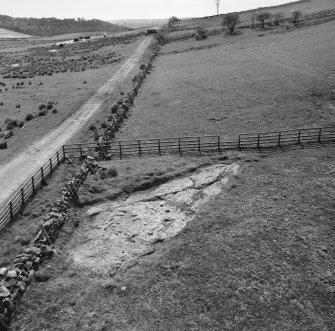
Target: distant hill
(54,26)
(139,23)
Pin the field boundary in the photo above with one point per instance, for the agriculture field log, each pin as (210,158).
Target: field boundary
(199,145)
(20,198)
(203,144)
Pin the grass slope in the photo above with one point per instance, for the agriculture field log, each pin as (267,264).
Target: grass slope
(255,81)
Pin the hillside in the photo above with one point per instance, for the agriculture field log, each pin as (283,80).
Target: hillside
(53,26)
(139,23)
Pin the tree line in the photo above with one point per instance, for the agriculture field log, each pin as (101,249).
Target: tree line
(53,26)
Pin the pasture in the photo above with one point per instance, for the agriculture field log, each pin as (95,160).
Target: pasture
(249,82)
(256,255)
(39,89)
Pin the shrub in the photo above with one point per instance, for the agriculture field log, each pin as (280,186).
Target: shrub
(29,117)
(42,106)
(200,34)
(231,19)
(18,106)
(11,123)
(92,127)
(161,38)
(104,125)
(54,111)
(8,134)
(42,113)
(295,15)
(50,106)
(108,173)
(114,109)
(3,144)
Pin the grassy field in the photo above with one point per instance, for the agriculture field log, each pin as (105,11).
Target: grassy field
(258,256)
(66,80)
(244,83)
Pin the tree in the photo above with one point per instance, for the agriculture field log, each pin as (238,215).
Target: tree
(172,21)
(296,16)
(231,19)
(262,17)
(277,18)
(217,4)
(253,17)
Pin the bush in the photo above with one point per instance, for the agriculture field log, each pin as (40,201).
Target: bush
(92,127)
(18,106)
(11,123)
(42,113)
(200,34)
(161,38)
(231,19)
(50,106)
(295,15)
(114,109)
(109,173)
(104,125)
(42,106)
(8,134)
(3,144)
(54,111)
(29,117)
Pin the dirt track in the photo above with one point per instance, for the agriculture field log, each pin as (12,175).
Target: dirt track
(17,171)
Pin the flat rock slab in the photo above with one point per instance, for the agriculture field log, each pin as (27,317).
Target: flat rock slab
(121,232)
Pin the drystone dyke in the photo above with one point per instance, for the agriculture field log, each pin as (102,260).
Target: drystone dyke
(15,278)
(120,110)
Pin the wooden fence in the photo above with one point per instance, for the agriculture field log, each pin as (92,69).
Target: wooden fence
(29,188)
(161,146)
(205,144)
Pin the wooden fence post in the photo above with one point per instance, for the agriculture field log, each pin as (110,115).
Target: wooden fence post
(239,142)
(80,151)
(11,210)
(320,133)
(159,147)
(258,139)
(58,158)
(50,161)
(22,196)
(179,146)
(33,184)
(120,149)
(299,138)
(64,153)
(139,147)
(279,138)
(42,175)
(199,145)
(219,147)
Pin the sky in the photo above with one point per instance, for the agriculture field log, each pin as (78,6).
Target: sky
(126,9)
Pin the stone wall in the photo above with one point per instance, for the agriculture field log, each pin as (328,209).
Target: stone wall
(15,278)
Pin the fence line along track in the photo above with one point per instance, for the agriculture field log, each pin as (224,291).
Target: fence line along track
(205,144)
(19,199)
(161,146)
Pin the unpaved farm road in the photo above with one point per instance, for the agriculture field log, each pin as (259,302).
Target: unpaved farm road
(17,171)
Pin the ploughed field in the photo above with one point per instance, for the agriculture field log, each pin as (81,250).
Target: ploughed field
(43,84)
(251,82)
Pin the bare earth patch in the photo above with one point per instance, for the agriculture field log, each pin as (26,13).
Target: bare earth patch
(120,232)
